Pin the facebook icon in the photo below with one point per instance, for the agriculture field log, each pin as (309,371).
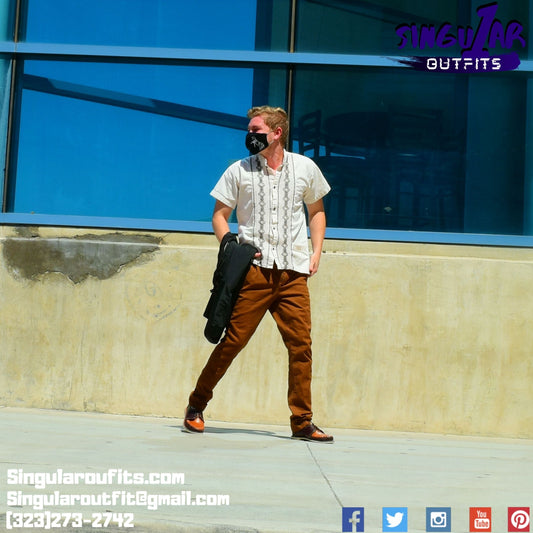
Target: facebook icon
(353,519)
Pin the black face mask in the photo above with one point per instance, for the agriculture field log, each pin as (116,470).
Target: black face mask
(256,142)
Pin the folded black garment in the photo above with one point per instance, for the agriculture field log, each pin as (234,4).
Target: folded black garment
(233,263)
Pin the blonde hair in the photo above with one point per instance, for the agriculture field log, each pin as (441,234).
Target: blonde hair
(274,117)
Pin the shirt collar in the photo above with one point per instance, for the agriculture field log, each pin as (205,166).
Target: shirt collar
(264,165)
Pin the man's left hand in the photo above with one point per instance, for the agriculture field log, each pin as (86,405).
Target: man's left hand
(313,264)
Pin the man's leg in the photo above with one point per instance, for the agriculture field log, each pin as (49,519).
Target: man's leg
(250,307)
(292,313)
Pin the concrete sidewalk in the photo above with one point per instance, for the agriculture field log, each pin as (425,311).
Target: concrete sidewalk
(275,484)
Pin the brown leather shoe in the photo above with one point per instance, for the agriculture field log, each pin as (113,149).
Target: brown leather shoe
(313,434)
(193,420)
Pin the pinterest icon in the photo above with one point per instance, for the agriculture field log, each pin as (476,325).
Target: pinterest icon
(518,518)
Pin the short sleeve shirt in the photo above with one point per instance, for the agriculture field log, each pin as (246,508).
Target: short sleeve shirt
(270,206)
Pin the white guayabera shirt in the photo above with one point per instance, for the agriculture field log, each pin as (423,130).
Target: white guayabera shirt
(270,206)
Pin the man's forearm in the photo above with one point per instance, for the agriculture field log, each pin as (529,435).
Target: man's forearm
(220,218)
(220,227)
(317,230)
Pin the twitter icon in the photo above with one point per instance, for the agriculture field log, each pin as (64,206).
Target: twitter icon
(395,519)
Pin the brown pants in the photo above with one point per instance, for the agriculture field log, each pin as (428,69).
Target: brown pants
(285,294)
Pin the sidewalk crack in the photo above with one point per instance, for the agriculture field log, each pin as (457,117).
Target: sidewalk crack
(324,475)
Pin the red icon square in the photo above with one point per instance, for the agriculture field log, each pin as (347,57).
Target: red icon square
(480,519)
(518,519)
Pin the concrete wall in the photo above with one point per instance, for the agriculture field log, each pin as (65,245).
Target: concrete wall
(407,337)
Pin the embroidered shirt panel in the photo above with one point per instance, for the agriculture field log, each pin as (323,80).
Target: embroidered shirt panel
(270,206)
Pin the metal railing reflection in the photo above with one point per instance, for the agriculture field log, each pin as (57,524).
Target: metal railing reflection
(388,169)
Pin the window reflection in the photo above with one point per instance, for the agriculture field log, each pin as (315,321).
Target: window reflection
(210,24)
(7,10)
(363,27)
(403,150)
(112,149)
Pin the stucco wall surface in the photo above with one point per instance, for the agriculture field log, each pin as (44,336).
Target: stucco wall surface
(408,337)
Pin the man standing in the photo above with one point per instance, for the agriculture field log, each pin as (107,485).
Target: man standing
(269,190)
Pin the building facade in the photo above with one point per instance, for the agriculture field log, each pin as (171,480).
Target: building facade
(117,118)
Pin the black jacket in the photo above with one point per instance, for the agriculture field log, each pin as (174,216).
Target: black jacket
(233,263)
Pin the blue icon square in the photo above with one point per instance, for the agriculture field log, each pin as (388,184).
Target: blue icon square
(395,519)
(438,519)
(353,519)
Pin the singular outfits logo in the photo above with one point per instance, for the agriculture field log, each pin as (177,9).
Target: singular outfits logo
(475,44)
